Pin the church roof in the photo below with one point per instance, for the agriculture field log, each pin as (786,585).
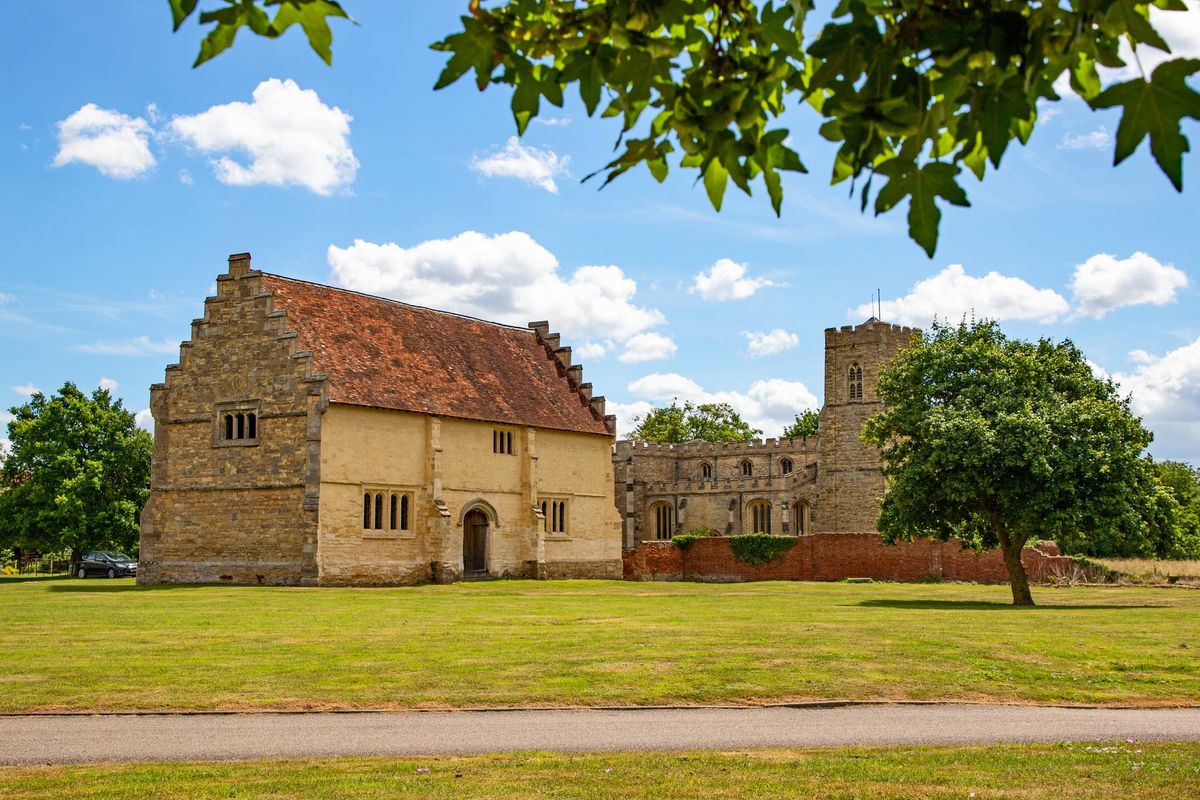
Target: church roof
(386,354)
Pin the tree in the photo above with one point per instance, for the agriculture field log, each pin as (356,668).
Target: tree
(912,91)
(707,422)
(998,441)
(805,425)
(77,474)
(1182,480)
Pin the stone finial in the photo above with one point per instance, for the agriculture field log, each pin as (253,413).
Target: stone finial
(239,265)
(551,341)
(610,423)
(575,373)
(541,328)
(597,404)
(585,390)
(563,354)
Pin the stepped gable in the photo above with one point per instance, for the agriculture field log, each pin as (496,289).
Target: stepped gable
(386,354)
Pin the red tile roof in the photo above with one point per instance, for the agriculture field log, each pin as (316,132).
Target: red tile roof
(386,354)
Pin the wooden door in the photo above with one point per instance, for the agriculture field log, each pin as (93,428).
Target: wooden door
(475,531)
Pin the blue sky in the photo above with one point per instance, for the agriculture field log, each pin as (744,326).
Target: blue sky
(129,176)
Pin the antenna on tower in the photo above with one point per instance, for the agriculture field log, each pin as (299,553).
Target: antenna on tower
(879,305)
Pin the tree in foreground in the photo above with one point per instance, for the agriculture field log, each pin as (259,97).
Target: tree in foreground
(1183,481)
(77,474)
(998,441)
(911,91)
(805,425)
(706,422)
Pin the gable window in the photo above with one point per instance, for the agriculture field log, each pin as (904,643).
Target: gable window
(855,382)
(662,516)
(706,472)
(760,516)
(236,423)
(386,510)
(554,513)
(786,466)
(747,468)
(502,442)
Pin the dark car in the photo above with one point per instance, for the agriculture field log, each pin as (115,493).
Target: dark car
(112,565)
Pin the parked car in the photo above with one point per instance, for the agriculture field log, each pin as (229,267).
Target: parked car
(112,565)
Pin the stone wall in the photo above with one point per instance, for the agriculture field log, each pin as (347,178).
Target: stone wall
(241,511)
(833,557)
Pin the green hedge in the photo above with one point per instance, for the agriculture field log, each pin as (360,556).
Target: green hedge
(756,549)
(685,540)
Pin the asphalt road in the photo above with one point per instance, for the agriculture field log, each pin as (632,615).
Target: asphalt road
(84,739)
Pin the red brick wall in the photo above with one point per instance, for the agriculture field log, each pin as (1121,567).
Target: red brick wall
(832,557)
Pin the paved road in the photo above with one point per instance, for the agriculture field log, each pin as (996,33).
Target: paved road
(82,739)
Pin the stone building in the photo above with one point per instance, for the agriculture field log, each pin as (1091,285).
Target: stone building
(829,483)
(312,435)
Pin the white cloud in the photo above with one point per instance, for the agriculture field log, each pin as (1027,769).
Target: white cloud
(1104,282)
(186,178)
(137,346)
(508,277)
(290,136)
(1142,357)
(6,298)
(627,414)
(727,281)
(647,347)
(952,293)
(528,164)
(1166,393)
(152,112)
(26,389)
(111,142)
(554,122)
(770,405)
(597,349)
(5,444)
(144,420)
(766,343)
(1098,139)
(111,385)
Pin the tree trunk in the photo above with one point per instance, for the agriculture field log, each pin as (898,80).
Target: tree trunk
(1017,579)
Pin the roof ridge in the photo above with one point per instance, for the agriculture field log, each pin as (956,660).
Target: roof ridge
(394,301)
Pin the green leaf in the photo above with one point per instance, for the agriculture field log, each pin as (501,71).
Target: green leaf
(1155,108)
(181,10)
(218,40)
(525,102)
(922,185)
(715,178)
(313,16)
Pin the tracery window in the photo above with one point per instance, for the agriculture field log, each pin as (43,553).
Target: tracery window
(786,466)
(760,516)
(855,382)
(662,516)
(386,510)
(747,468)
(706,471)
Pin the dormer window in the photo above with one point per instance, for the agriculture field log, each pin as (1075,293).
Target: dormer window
(236,423)
(854,382)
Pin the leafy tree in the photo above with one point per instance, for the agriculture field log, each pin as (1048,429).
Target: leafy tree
(997,441)
(911,91)
(805,425)
(1183,482)
(77,475)
(708,422)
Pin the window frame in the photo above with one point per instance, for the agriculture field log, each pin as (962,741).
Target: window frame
(755,507)
(502,442)
(556,516)
(225,421)
(387,511)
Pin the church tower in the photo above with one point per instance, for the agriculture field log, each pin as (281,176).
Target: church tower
(849,472)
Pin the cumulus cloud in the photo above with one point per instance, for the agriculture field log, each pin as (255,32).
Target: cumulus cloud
(647,347)
(26,390)
(508,277)
(137,346)
(627,414)
(592,349)
(952,293)
(1098,139)
(144,420)
(288,135)
(727,280)
(1105,282)
(185,177)
(111,385)
(766,343)
(1166,393)
(117,145)
(770,404)
(528,164)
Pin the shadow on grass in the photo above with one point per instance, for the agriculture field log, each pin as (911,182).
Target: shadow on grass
(33,578)
(96,586)
(985,605)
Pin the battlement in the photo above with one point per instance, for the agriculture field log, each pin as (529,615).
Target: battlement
(630,447)
(835,336)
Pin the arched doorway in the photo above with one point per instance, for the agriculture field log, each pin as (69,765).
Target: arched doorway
(475,536)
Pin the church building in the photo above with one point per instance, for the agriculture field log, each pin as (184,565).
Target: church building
(318,436)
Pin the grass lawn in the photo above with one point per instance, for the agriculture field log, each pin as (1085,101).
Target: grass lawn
(1056,772)
(96,645)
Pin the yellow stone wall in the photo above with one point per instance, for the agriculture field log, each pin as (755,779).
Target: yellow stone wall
(452,461)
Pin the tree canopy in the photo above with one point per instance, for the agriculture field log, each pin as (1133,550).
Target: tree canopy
(805,425)
(1183,481)
(911,91)
(998,441)
(707,422)
(77,475)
